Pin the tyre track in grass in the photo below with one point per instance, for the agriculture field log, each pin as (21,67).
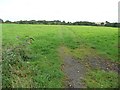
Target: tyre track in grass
(74,70)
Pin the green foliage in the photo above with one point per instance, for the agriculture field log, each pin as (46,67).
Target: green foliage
(13,58)
(58,22)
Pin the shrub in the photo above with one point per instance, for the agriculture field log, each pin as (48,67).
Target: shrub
(13,59)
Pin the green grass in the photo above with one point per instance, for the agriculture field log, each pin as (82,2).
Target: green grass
(103,39)
(101,79)
(47,39)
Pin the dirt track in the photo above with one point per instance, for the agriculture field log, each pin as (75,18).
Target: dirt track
(75,70)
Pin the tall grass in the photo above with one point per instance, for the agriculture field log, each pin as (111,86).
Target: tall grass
(14,58)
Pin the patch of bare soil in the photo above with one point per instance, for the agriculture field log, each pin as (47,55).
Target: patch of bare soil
(73,70)
(101,63)
(93,60)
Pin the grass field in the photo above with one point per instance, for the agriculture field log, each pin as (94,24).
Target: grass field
(43,68)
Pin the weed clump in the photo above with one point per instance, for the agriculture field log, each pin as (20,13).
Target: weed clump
(13,60)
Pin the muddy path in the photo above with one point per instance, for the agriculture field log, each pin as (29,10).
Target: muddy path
(74,70)
(101,63)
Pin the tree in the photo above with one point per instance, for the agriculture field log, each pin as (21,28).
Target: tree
(1,21)
(102,24)
(7,21)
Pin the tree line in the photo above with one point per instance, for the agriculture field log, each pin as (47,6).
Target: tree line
(58,22)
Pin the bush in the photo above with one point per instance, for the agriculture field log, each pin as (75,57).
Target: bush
(13,59)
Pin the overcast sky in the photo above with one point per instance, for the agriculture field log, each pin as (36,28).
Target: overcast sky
(68,10)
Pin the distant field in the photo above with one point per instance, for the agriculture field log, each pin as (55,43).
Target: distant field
(45,63)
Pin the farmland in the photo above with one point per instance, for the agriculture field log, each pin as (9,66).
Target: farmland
(45,50)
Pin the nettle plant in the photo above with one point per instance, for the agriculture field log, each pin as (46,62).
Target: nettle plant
(13,59)
(23,47)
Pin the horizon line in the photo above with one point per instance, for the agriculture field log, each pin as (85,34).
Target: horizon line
(57,20)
